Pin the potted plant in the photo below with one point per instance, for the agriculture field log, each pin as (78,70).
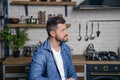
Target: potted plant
(15,39)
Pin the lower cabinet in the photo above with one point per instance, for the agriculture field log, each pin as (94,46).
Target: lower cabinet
(16,79)
(18,69)
(20,72)
(81,71)
(1,69)
(15,72)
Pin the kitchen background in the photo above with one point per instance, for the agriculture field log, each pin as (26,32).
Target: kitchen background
(109,39)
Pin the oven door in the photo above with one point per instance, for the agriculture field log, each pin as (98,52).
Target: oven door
(103,76)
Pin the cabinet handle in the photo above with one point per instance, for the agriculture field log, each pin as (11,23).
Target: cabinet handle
(105,74)
(26,69)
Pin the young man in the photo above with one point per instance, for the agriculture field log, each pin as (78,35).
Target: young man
(53,61)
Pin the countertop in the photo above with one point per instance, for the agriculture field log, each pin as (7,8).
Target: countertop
(77,59)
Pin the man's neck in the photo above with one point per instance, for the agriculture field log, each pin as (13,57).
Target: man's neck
(55,44)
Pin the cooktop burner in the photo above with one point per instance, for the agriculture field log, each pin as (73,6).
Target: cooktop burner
(103,55)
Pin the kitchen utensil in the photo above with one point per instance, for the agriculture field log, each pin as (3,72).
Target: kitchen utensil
(92,36)
(86,37)
(79,37)
(98,32)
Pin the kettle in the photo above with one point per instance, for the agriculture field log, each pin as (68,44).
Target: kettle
(90,51)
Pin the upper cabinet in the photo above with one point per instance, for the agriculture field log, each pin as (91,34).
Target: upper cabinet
(98,4)
(43,3)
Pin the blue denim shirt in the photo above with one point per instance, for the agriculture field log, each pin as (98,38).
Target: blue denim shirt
(43,66)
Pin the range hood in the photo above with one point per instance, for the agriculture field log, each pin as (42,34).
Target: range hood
(95,4)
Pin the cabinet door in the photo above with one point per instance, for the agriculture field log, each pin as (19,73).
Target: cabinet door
(16,69)
(80,69)
(0,71)
(16,79)
(15,72)
(81,78)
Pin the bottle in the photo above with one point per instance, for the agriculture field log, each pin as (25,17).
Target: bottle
(22,19)
(40,17)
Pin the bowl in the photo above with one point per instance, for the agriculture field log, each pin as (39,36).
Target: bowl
(14,20)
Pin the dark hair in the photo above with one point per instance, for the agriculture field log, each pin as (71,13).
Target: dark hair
(53,22)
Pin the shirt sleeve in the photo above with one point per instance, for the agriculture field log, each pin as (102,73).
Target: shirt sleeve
(71,68)
(37,67)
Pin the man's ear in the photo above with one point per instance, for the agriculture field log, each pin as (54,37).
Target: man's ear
(52,33)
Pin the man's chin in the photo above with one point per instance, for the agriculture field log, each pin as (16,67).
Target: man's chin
(66,40)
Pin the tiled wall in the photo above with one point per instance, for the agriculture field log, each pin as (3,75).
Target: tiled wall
(110,31)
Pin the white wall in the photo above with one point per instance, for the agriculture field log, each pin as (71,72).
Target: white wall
(110,31)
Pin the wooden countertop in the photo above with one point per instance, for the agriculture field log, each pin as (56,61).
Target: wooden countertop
(77,59)
(17,61)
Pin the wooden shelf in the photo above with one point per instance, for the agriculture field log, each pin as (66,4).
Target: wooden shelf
(42,3)
(31,25)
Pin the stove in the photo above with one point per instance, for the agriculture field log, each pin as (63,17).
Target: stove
(103,55)
(102,72)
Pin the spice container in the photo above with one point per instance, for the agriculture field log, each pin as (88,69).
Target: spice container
(29,50)
(31,20)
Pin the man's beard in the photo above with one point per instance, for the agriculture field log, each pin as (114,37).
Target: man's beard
(65,39)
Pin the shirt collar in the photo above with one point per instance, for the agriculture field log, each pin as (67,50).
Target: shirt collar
(48,46)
